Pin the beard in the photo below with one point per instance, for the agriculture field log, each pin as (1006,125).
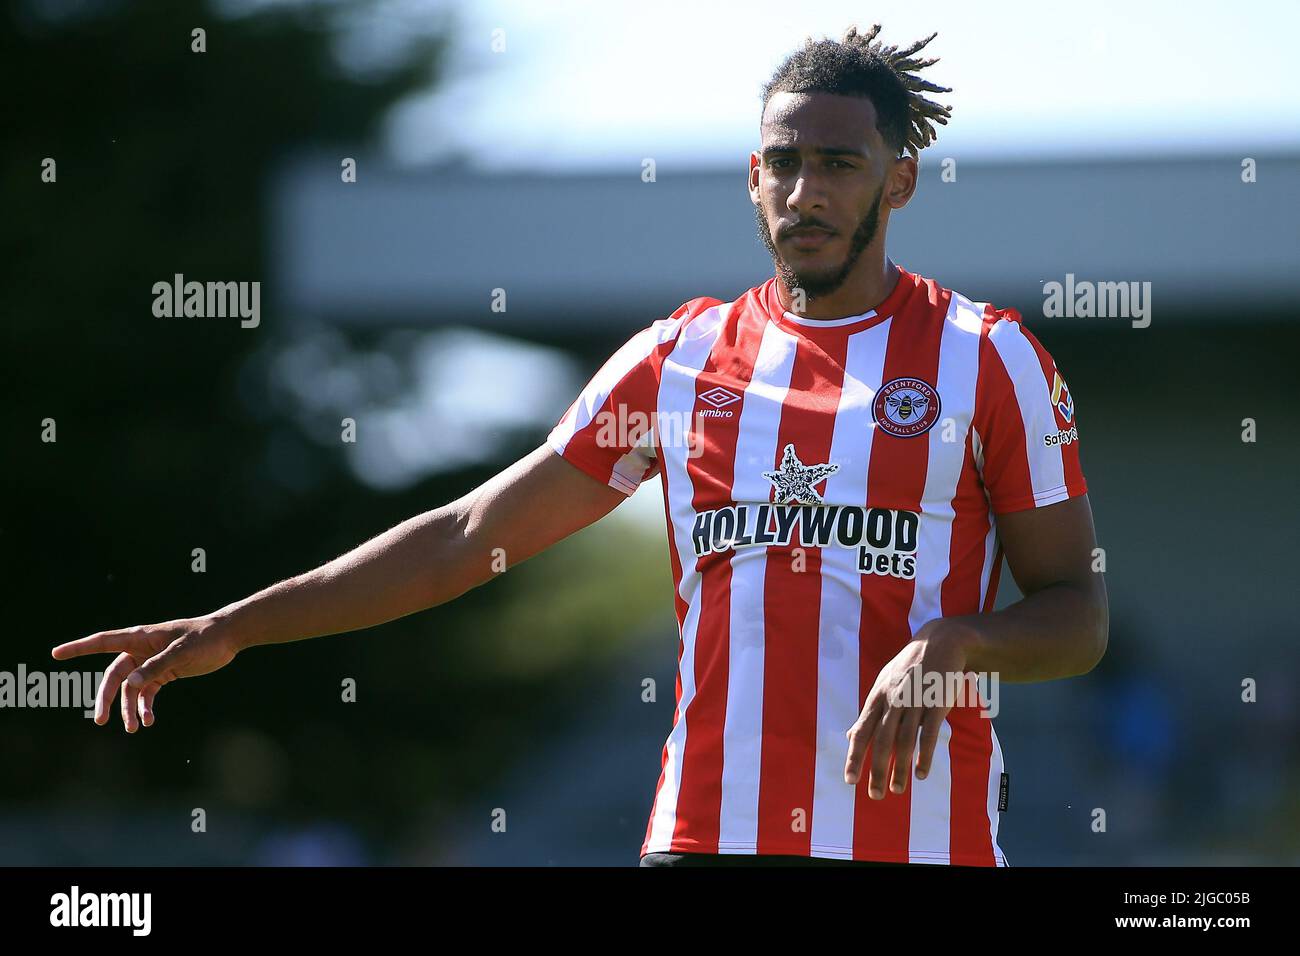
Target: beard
(824,281)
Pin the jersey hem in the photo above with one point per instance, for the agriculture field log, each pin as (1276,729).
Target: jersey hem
(595,470)
(1039,499)
(829,851)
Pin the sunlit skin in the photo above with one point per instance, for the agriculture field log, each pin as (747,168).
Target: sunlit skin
(823,164)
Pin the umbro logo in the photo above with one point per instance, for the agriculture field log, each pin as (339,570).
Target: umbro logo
(720,397)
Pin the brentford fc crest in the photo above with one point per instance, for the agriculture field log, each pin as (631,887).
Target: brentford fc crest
(906,407)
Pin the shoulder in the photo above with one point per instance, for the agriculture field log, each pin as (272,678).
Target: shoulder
(966,314)
(692,308)
(1001,329)
(648,346)
(690,316)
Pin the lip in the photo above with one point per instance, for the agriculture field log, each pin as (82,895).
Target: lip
(809,239)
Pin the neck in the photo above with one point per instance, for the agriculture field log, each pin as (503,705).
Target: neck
(863,290)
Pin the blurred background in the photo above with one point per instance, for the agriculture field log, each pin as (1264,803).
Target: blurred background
(504,145)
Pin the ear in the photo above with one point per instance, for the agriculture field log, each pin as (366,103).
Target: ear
(902,181)
(755,161)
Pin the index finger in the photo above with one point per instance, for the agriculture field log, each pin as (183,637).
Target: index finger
(931,724)
(102,642)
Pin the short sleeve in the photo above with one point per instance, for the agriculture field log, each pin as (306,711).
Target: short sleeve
(608,431)
(1026,432)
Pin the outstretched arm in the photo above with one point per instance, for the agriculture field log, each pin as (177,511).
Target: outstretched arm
(424,561)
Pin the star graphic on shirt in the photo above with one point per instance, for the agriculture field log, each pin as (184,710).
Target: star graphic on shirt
(794,482)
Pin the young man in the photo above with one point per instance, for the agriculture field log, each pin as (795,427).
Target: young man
(847,451)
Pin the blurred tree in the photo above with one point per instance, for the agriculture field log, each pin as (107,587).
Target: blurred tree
(163,159)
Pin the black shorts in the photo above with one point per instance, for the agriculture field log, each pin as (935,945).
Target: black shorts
(750,859)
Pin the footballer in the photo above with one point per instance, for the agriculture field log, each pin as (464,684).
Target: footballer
(862,447)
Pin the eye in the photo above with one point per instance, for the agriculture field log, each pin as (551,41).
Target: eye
(776,163)
(840,162)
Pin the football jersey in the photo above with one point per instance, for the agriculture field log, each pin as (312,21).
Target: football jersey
(829,488)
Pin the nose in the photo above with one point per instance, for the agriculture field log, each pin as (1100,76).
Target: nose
(807,194)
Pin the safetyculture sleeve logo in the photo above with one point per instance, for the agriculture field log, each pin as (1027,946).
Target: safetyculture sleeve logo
(906,407)
(1061,397)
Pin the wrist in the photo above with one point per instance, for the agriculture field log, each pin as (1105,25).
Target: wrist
(233,625)
(963,639)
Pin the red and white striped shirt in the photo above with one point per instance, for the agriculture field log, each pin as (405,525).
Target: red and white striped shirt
(829,487)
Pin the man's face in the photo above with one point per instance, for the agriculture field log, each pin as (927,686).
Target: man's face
(818,182)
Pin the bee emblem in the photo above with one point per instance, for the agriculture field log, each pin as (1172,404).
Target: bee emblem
(907,404)
(905,407)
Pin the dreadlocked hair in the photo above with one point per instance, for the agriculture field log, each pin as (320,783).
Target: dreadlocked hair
(859,65)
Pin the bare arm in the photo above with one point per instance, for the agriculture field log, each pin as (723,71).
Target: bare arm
(424,561)
(1058,629)
(431,558)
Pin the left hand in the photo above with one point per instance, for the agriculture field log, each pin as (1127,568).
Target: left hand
(893,712)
